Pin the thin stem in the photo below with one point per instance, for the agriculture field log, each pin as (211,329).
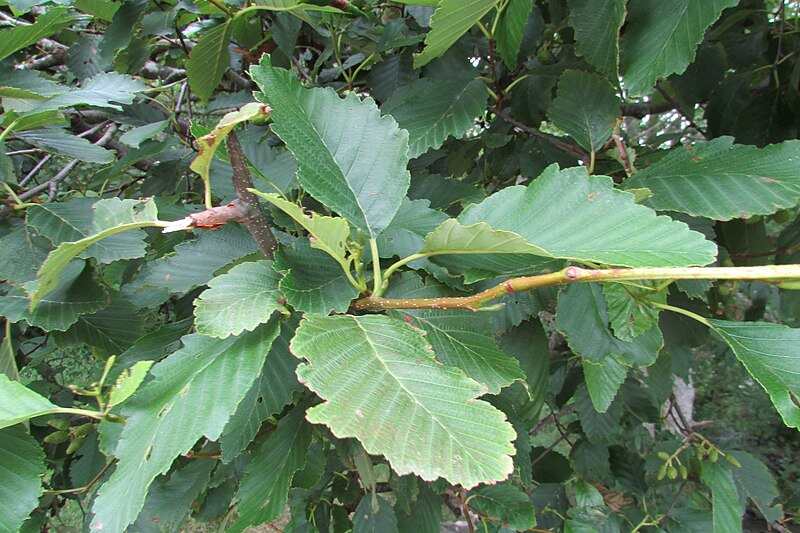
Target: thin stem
(80,412)
(684,312)
(402,262)
(222,7)
(377,283)
(573,274)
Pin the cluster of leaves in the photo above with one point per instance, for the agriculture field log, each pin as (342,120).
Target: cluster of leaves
(340,359)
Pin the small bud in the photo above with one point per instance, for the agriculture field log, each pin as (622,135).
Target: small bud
(75,445)
(672,472)
(733,460)
(664,456)
(57,437)
(662,472)
(58,423)
(684,472)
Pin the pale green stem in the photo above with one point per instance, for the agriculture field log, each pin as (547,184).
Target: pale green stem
(573,274)
(80,412)
(684,312)
(377,283)
(515,82)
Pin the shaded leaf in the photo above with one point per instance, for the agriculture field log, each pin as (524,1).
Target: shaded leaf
(603,380)
(582,317)
(77,294)
(112,216)
(238,300)
(506,503)
(597,24)
(21,470)
(374,515)
(771,354)
(59,141)
(433,111)
(51,21)
(264,489)
(313,282)
(727,508)
(451,20)
(511,29)
(162,420)
(722,180)
(272,391)
(209,60)
(661,38)
(586,108)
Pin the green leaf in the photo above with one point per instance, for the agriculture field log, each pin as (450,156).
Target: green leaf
(272,391)
(432,111)
(603,380)
(462,339)
(21,470)
(505,503)
(51,21)
(209,60)
(452,237)
(8,355)
(599,428)
(374,515)
(18,403)
(390,74)
(329,234)
(755,480)
(727,508)
(128,381)
(170,498)
(722,180)
(629,311)
(582,317)
(112,216)
(586,108)
(77,294)
(107,89)
(597,24)
(136,136)
(511,30)
(238,300)
(207,144)
(425,516)
(264,489)
(29,253)
(349,157)
(571,215)
(80,218)
(661,38)
(399,401)
(56,140)
(192,264)
(112,329)
(313,282)
(771,354)
(406,234)
(451,20)
(163,420)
